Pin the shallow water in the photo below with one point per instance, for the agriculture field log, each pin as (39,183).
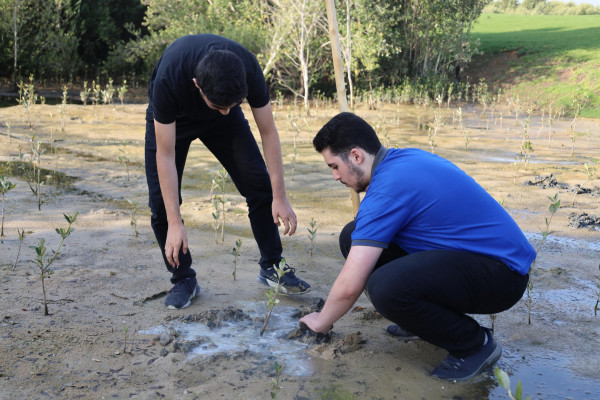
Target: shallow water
(235,337)
(545,376)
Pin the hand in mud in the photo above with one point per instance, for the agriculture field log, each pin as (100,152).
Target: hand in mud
(309,323)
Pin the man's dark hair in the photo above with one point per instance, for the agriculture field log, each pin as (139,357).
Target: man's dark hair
(222,77)
(344,132)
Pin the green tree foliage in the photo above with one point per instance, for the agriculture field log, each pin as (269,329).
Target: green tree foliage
(385,41)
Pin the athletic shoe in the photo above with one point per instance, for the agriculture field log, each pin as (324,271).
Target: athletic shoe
(401,333)
(290,283)
(182,293)
(461,369)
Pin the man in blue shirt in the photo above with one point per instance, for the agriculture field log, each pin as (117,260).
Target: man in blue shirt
(195,93)
(429,245)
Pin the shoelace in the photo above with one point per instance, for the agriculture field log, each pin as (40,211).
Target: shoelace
(452,363)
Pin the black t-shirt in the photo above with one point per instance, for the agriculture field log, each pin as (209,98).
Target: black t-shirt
(172,92)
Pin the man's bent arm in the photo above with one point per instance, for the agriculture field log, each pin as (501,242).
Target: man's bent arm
(272,151)
(169,186)
(346,289)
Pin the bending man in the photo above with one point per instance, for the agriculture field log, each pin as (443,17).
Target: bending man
(429,245)
(195,93)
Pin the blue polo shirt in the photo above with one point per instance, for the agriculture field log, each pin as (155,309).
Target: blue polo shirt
(421,201)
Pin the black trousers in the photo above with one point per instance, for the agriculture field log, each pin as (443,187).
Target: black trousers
(229,138)
(429,293)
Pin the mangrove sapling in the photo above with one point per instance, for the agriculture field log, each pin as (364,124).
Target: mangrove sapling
(504,381)
(5,187)
(273,292)
(33,174)
(216,214)
(276,388)
(312,234)
(8,126)
(219,182)
(553,208)
(44,262)
(236,252)
(123,159)
(22,234)
(63,108)
(296,132)
(596,308)
(121,90)
(84,94)
(133,210)
(27,98)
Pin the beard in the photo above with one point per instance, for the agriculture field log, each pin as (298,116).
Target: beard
(361,182)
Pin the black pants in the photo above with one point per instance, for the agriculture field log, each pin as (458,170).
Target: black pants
(229,138)
(430,292)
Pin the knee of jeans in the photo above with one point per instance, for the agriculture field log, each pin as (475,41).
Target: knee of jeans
(386,295)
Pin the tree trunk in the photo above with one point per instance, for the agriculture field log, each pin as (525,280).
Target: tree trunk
(15,30)
(334,35)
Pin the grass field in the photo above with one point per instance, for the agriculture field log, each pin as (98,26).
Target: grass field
(557,57)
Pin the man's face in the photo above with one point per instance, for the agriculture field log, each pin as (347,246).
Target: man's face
(346,171)
(222,109)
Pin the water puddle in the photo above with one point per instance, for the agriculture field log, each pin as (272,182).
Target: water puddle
(243,334)
(21,169)
(565,243)
(545,377)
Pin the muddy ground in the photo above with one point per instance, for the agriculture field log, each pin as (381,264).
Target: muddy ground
(108,334)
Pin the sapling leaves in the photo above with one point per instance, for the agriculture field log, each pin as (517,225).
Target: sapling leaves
(504,381)
(44,262)
(273,292)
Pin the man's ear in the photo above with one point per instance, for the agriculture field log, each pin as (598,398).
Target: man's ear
(357,155)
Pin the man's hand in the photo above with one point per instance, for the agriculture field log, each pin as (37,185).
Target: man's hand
(311,321)
(283,213)
(176,240)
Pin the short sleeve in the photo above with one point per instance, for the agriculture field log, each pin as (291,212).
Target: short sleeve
(378,220)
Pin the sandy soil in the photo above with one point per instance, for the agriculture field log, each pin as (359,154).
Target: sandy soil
(108,334)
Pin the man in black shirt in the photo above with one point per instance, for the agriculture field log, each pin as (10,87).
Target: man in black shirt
(195,93)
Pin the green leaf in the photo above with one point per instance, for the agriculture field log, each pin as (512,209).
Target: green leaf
(519,391)
(503,378)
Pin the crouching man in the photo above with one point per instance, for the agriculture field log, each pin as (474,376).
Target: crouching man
(428,244)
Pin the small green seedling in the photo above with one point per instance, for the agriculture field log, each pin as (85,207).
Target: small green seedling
(553,208)
(63,108)
(8,126)
(133,213)
(34,175)
(125,332)
(504,381)
(596,308)
(5,187)
(44,262)
(275,389)
(216,214)
(22,235)
(121,90)
(85,93)
(312,234)
(218,183)
(123,159)
(273,292)
(236,252)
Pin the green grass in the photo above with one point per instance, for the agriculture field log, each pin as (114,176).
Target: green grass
(558,55)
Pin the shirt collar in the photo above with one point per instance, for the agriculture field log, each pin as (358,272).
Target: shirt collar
(378,158)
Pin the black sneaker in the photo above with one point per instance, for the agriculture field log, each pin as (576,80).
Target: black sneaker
(290,283)
(401,333)
(182,293)
(461,369)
